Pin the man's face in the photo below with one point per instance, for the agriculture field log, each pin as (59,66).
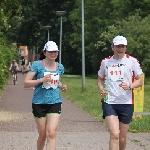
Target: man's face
(119,50)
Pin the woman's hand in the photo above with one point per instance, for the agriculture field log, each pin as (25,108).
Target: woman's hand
(46,78)
(63,88)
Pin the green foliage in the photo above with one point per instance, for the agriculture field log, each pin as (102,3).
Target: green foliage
(10,17)
(97,15)
(3,19)
(24,21)
(38,14)
(100,17)
(7,53)
(137,32)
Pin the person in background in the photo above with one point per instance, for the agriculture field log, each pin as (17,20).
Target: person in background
(23,65)
(29,65)
(22,62)
(118,72)
(44,75)
(14,68)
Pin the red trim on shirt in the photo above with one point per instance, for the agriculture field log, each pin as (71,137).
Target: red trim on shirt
(133,77)
(127,55)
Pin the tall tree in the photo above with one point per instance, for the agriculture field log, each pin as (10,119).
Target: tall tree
(137,31)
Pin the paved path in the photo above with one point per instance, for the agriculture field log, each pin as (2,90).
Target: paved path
(77,130)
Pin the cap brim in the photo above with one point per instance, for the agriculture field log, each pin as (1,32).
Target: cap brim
(117,43)
(52,50)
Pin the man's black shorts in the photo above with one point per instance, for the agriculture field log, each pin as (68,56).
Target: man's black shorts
(41,110)
(123,111)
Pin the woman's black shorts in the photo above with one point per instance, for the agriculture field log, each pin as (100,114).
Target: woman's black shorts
(41,110)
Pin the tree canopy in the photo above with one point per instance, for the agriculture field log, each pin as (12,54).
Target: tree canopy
(24,21)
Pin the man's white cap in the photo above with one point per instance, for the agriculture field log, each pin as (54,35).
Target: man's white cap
(120,40)
(51,46)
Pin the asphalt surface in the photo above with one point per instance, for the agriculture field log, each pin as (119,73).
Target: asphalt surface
(77,130)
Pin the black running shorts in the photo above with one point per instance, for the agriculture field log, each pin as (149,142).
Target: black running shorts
(41,110)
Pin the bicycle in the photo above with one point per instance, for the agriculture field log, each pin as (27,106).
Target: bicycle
(14,77)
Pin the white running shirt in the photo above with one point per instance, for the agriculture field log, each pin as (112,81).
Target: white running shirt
(115,71)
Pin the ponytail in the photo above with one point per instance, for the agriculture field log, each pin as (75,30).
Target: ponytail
(42,56)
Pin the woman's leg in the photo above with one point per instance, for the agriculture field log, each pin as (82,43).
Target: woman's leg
(41,126)
(113,127)
(51,127)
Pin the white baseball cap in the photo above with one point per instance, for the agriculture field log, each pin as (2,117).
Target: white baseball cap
(50,46)
(120,40)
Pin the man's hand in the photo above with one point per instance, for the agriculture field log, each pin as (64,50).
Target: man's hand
(103,93)
(125,86)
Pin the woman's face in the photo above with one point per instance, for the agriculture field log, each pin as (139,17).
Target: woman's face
(51,55)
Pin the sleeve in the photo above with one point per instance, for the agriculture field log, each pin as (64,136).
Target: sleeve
(34,67)
(136,67)
(61,69)
(101,71)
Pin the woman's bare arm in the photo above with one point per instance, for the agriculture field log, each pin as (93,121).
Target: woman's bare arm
(29,82)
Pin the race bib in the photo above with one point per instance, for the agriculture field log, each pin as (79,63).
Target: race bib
(53,83)
(116,73)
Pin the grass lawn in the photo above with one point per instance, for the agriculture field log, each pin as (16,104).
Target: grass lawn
(89,100)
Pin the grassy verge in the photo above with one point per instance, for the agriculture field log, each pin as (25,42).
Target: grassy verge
(89,100)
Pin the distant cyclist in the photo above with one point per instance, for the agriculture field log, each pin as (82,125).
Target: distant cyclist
(23,65)
(14,68)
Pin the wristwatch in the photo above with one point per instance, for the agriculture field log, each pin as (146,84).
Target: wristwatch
(130,87)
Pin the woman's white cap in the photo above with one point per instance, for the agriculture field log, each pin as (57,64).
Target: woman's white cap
(51,46)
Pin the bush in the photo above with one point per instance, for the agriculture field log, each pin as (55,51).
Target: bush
(7,54)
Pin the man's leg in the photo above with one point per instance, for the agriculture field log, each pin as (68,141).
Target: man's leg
(125,117)
(113,127)
(123,135)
